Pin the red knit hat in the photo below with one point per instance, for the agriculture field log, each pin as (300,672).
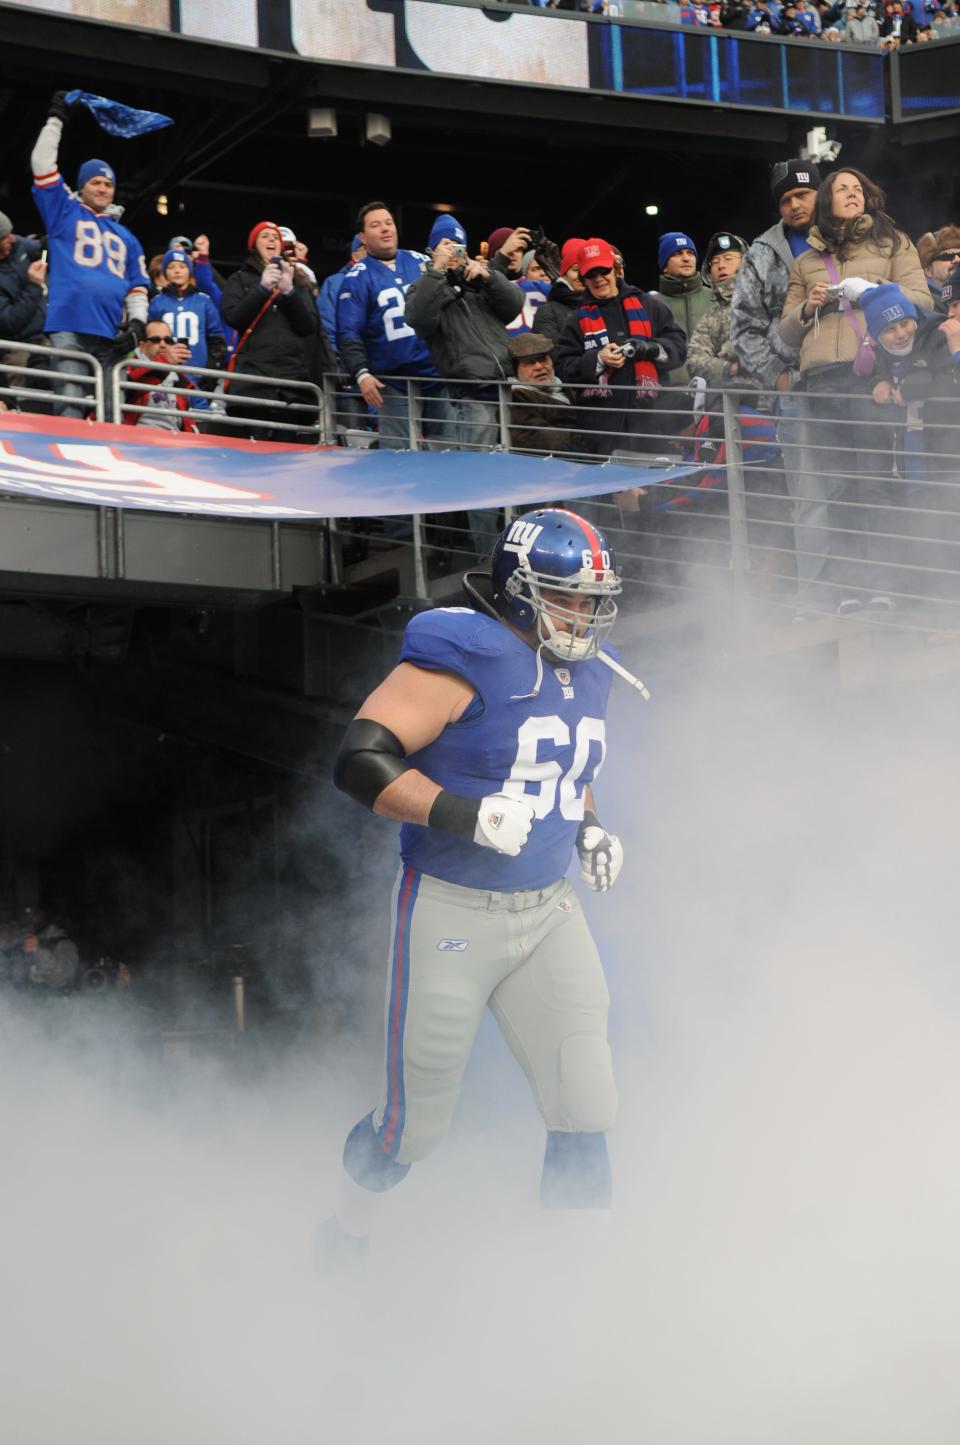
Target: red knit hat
(570,252)
(258,228)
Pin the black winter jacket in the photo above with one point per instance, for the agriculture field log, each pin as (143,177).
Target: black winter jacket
(550,318)
(283,342)
(622,418)
(23,304)
(465,326)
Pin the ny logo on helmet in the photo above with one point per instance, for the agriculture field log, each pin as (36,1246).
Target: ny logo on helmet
(522,536)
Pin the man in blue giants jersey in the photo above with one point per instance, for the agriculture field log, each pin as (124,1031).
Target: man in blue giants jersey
(374,340)
(484,743)
(98,284)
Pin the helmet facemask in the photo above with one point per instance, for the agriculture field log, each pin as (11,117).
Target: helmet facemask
(580,634)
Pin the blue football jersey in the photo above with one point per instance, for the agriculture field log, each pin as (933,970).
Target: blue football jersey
(193,319)
(371,308)
(94,262)
(545,748)
(534,295)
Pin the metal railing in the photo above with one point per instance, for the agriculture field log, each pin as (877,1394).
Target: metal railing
(811,507)
(767,508)
(93,374)
(231,406)
(227,408)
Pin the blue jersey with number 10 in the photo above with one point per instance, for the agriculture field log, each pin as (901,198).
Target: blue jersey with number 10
(545,749)
(371,308)
(94,262)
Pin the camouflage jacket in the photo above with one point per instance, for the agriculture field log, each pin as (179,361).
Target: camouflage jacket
(710,353)
(758,299)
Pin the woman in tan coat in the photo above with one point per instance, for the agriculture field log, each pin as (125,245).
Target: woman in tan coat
(855,243)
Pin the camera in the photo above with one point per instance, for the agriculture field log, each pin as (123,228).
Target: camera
(537,236)
(627,349)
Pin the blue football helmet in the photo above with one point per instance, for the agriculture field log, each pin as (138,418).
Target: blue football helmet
(557,551)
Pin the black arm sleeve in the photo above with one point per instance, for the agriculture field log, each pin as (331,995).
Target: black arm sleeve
(369,760)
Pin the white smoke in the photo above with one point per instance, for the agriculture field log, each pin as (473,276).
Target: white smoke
(779,1267)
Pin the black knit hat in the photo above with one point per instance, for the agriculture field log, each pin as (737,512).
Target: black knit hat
(793,175)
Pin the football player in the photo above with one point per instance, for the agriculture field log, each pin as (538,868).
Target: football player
(484,743)
(98,284)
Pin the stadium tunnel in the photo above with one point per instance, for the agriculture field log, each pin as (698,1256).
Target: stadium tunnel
(164,769)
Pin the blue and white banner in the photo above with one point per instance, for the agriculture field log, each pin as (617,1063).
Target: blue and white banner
(79,461)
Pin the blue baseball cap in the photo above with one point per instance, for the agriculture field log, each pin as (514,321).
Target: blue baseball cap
(92,168)
(356,243)
(883,305)
(176,255)
(670,244)
(446,228)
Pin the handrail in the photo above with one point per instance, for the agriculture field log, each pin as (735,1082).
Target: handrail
(314,407)
(36,394)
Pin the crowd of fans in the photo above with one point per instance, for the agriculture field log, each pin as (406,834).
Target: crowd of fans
(829,323)
(883,24)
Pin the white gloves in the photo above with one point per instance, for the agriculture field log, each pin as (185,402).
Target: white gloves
(271,275)
(601,857)
(503,823)
(852,288)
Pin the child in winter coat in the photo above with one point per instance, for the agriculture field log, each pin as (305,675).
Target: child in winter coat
(916,382)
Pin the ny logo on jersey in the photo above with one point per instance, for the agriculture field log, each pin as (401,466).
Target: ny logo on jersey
(565,680)
(453,945)
(522,536)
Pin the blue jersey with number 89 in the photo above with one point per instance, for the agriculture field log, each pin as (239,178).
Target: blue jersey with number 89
(544,748)
(94,262)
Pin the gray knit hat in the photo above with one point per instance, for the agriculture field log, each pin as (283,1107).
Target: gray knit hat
(6,226)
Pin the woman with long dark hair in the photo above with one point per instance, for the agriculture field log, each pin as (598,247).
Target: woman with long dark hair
(854,244)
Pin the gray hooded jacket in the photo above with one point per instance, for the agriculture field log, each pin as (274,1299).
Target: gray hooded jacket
(757,304)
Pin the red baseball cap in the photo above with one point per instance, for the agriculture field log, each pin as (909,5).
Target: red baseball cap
(261,226)
(570,252)
(595,255)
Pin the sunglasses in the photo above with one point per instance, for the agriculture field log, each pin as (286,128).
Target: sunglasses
(156,340)
(949,256)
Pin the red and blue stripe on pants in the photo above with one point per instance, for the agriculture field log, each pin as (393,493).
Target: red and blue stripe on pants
(391,1130)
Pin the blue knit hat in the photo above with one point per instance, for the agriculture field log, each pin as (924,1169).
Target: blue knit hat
(670,244)
(883,305)
(446,228)
(92,168)
(175,255)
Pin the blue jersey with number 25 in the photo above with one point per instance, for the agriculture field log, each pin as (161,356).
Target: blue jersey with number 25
(545,749)
(371,307)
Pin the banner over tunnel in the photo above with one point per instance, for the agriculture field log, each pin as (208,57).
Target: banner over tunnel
(60,460)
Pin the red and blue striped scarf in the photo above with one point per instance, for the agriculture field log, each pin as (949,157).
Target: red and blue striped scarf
(594,331)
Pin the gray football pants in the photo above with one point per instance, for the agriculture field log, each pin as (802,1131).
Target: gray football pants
(530,957)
